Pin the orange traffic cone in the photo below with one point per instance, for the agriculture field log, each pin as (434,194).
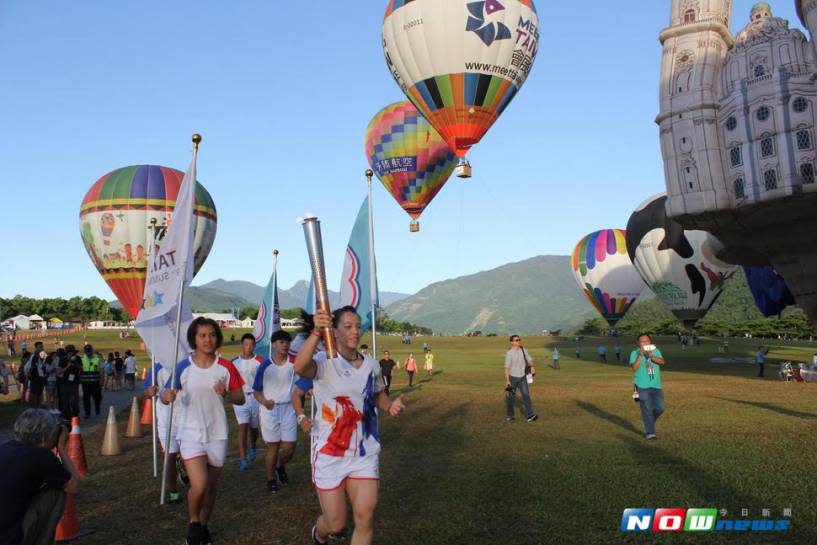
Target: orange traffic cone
(76,450)
(134,426)
(68,526)
(147,413)
(110,442)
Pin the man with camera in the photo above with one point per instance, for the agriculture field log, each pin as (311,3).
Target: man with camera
(646,362)
(35,481)
(518,364)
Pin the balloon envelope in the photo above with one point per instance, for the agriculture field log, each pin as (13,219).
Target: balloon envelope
(127,212)
(605,273)
(678,265)
(460,62)
(408,156)
(768,289)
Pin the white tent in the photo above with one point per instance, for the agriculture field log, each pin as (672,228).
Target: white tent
(18,322)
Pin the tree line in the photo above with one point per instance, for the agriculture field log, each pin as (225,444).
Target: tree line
(75,309)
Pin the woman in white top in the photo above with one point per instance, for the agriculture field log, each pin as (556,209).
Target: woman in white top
(348,392)
(202,380)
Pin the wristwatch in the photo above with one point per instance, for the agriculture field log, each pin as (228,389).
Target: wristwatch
(301,418)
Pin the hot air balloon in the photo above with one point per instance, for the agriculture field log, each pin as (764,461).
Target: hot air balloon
(605,273)
(769,290)
(409,157)
(460,63)
(679,266)
(125,215)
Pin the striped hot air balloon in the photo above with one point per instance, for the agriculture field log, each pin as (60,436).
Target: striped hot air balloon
(408,156)
(605,273)
(126,213)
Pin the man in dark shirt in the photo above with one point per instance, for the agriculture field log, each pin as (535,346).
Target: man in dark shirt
(35,481)
(68,382)
(386,366)
(92,378)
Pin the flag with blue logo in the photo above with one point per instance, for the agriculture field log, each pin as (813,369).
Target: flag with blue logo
(357,282)
(268,320)
(309,303)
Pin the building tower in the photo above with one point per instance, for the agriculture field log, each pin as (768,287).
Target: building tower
(695,46)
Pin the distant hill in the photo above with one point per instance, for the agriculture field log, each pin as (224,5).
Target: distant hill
(527,296)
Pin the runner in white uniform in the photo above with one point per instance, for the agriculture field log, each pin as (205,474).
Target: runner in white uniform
(247,414)
(202,380)
(273,391)
(348,392)
(162,417)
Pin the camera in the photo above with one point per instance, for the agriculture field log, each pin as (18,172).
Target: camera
(648,347)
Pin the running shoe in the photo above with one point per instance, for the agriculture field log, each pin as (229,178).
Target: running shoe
(315,540)
(174,498)
(282,475)
(272,486)
(651,437)
(533,417)
(243,464)
(182,471)
(508,419)
(194,534)
(251,454)
(205,536)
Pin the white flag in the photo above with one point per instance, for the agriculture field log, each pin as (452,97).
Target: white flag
(170,261)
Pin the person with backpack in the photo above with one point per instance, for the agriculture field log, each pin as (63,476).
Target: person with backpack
(518,363)
(118,371)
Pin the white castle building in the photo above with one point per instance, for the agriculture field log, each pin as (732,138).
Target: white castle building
(737,118)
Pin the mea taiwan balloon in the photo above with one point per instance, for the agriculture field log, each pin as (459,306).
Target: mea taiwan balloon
(409,157)
(678,265)
(605,273)
(460,63)
(126,214)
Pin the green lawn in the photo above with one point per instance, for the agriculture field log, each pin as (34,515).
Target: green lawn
(453,472)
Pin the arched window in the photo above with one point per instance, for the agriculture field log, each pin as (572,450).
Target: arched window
(799,105)
(689,16)
(735,156)
(770,179)
(803,139)
(807,173)
(740,190)
(766,147)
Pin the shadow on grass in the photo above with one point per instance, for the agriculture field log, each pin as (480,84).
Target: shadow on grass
(774,408)
(619,421)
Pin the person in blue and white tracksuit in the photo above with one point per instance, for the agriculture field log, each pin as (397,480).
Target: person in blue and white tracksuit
(247,365)
(273,391)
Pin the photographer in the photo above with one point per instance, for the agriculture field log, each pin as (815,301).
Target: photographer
(646,362)
(35,481)
(518,363)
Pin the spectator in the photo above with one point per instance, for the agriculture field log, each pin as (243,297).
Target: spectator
(386,366)
(91,377)
(760,359)
(617,349)
(118,371)
(130,370)
(22,375)
(411,368)
(109,370)
(35,481)
(602,353)
(68,382)
(37,374)
(647,362)
(578,351)
(5,372)
(517,362)
(52,363)
(429,363)
(554,357)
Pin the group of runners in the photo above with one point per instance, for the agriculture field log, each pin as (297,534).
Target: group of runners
(268,398)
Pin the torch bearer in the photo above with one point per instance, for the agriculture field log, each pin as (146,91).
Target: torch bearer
(314,246)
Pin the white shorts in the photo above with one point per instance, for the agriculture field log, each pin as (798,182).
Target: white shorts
(174,444)
(248,412)
(329,472)
(279,424)
(215,450)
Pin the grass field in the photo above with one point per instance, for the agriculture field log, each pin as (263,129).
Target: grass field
(453,472)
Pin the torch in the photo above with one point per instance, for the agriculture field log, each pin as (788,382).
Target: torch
(314,247)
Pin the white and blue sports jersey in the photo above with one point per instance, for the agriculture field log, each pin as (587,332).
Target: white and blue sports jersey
(275,381)
(247,369)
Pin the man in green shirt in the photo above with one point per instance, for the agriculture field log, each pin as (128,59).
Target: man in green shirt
(646,362)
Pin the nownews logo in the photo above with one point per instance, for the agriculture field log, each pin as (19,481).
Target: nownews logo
(698,520)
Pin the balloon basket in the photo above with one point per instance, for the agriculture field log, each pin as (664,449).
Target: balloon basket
(463,169)
(414,226)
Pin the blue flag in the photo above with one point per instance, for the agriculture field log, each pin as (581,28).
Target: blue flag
(309,303)
(268,320)
(358,282)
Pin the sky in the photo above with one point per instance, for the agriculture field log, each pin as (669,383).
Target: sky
(282,93)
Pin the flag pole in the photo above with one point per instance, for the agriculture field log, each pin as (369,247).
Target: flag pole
(271,312)
(166,462)
(372,265)
(153,416)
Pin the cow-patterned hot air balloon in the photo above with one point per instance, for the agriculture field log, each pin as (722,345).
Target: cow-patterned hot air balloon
(460,62)
(126,213)
(680,266)
(605,273)
(409,157)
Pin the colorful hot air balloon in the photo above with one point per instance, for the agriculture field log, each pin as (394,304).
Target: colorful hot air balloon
(679,266)
(605,273)
(459,62)
(769,290)
(408,156)
(129,210)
